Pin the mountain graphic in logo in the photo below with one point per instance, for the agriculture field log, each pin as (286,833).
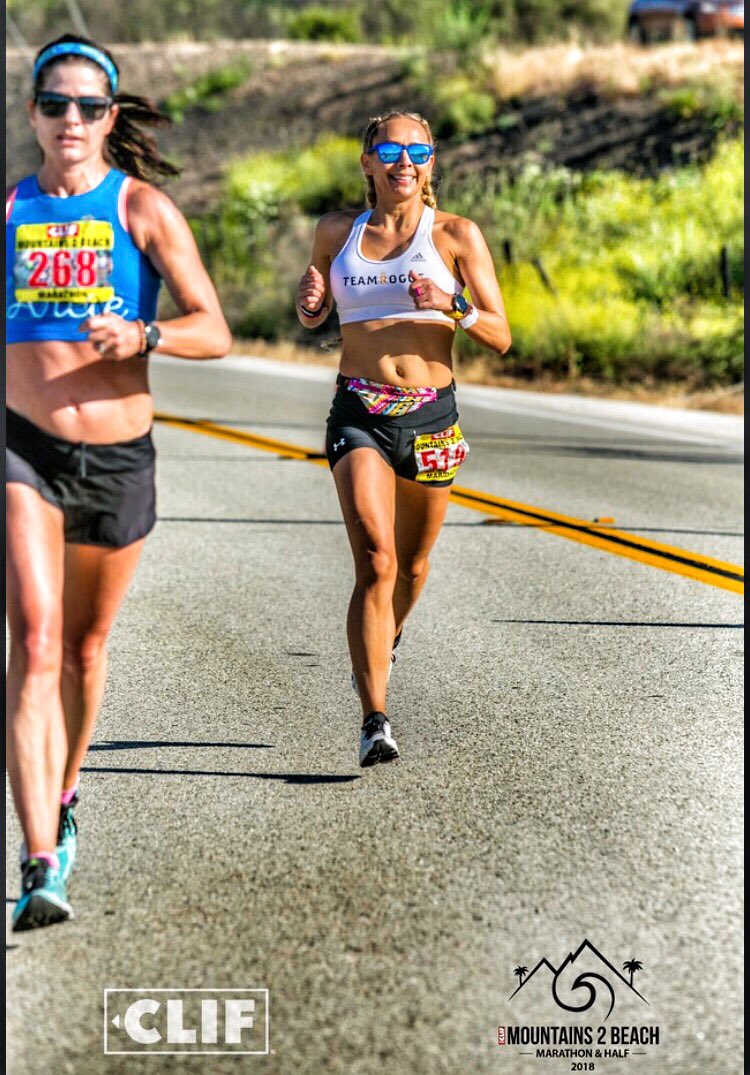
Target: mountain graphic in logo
(418,257)
(590,972)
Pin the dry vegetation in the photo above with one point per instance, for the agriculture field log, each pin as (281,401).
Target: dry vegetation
(620,69)
(614,107)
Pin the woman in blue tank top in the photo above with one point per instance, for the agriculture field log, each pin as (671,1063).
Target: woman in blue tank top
(88,242)
(397,274)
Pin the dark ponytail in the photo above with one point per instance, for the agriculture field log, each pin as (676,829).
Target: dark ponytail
(128,147)
(134,150)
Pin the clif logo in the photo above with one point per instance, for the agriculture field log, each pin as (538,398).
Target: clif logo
(175,1021)
(62,231)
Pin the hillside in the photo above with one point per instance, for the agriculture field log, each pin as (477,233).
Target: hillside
(615,107)
(607,181)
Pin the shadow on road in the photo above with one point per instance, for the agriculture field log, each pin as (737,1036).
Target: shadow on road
(477,522)
(628,623)
(287,778)
(137,744)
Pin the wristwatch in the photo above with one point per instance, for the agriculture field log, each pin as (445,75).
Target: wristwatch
(152,339)
(461,307)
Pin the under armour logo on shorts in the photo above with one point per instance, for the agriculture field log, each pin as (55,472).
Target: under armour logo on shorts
(339,443)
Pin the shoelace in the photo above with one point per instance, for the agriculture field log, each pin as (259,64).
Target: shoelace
(34,873)
(68,825)
(372,725)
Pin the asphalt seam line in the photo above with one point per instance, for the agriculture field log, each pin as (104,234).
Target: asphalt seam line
(653,553)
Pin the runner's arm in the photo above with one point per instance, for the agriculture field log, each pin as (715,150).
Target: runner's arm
(160,230)
(478,271)
(317,277)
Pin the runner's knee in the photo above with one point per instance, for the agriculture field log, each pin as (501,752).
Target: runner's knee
(377,565)
(39,646)
(82,655)
(412,570)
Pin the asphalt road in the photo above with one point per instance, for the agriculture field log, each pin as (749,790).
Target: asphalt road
(569,721)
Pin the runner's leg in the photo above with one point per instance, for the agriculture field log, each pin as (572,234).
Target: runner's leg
(35,730)
(420,511)
(366,486)
(96,580)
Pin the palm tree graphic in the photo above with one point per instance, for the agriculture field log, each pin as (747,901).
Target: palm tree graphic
(520,972)
(631,967)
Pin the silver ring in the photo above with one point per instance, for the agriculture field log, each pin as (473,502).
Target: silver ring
(99,347)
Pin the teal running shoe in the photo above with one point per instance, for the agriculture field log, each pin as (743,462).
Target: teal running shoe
(67,837)
(43,900)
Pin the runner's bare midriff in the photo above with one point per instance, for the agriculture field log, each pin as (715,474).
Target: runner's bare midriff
(409,354)
(69,391)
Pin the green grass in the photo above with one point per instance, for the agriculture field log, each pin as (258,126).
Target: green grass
(322,176)
(635,266)
(716,104)
(319,23)
(208,92)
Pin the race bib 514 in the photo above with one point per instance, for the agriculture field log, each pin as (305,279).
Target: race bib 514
(64,262)
(439,455)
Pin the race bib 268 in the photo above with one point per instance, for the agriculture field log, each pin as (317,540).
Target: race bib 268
(64,262)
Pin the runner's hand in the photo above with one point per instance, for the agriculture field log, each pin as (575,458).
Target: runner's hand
(426,295)
(113,337)
(311,292)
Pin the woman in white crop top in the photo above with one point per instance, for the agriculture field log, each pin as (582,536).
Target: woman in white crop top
(397,274)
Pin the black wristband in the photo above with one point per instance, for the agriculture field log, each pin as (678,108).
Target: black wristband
(313,313)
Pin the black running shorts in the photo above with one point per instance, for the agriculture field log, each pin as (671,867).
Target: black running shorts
(426,446)
(106,492)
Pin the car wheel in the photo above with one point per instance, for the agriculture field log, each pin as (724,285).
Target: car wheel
(637,33)
(685,30)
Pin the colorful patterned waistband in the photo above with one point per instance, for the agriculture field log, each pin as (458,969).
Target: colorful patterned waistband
(389,399)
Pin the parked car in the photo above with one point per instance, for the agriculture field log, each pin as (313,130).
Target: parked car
(684,20)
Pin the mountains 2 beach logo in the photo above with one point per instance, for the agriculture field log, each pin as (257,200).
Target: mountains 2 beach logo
(587,984)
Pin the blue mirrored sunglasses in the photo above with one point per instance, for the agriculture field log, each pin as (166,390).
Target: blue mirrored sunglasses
(390,152)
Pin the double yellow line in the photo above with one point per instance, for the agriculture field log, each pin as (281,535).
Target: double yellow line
(633,547)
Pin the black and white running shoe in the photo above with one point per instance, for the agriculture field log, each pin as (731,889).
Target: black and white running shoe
(376,743)
(355,685)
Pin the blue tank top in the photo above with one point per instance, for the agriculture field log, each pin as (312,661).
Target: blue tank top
(69,258)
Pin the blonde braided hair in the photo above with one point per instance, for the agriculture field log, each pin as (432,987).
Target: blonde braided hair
(429,195)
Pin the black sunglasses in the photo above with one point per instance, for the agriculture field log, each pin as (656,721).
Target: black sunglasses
(54,105)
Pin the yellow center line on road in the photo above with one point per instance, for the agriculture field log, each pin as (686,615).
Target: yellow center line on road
(666,557)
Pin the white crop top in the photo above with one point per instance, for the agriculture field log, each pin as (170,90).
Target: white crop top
(367,290)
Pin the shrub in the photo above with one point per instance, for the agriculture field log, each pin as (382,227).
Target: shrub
(717,104)
(635,267)
(207,92)
(461,109)
(321,177)
(322,24)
